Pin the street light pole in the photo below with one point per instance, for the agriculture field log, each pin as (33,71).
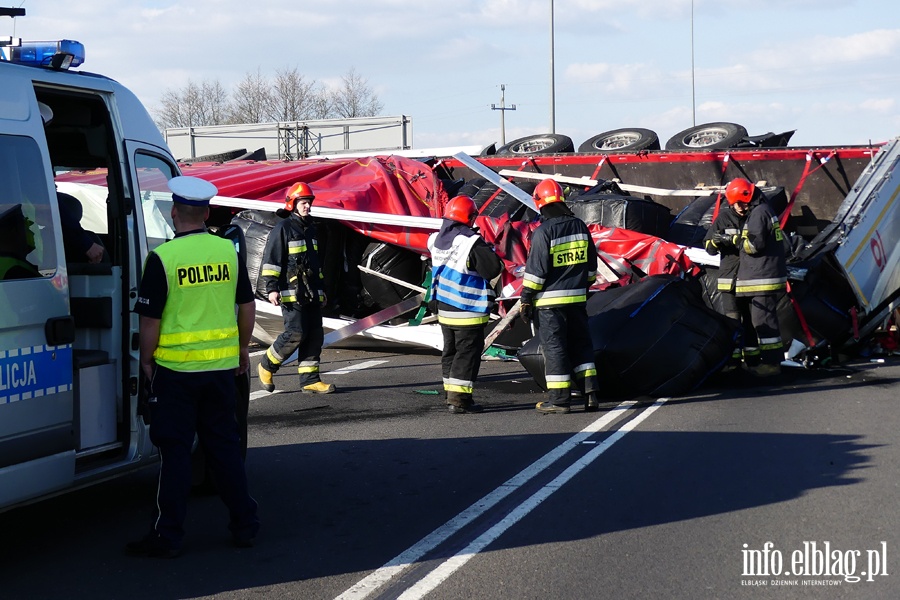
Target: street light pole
(552,77)
(693,92)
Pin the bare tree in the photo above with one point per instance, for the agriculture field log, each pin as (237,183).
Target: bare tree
(290,97)
(194,105)
(214,103)
(252,100)
(293,98)
(355,98)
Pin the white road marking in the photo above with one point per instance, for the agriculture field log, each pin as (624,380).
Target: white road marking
(407,558)
(262,394)
(448,567)
(356,367)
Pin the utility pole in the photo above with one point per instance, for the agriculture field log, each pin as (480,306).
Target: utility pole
(503,108)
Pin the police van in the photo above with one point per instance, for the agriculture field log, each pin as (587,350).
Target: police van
(69,376)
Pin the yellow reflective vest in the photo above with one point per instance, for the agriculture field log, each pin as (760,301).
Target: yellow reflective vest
(198,329)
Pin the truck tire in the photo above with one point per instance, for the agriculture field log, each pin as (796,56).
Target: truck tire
(709,136)
(218,157)
(545,143)
(629,138)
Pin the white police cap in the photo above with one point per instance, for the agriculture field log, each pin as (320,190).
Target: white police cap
(192,191)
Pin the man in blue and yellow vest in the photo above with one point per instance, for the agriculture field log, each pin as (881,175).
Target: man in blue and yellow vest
(462,267)
(192,344)
(561,267)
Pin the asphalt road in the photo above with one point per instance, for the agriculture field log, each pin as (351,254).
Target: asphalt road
(737,490)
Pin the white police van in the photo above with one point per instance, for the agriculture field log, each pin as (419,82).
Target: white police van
(69,375)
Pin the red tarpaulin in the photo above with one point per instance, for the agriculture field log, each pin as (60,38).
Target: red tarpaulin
(402,186)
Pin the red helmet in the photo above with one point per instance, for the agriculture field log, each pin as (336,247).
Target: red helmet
(461,209)
(295,192)
(739,190)
(545,192)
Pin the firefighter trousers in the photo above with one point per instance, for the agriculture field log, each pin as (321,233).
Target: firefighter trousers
(460,361)
(302,332)
(568,350)
(764,316)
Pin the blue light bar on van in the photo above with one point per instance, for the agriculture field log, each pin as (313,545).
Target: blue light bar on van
(61,54)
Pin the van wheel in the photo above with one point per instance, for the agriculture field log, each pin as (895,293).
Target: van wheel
(546,143)
(631,138)
(710,136)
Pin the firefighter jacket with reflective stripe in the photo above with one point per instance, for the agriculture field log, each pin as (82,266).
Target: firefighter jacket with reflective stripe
(291,263)
(462,265)
(198,330)
(561,265)
(762,267)
(730,225)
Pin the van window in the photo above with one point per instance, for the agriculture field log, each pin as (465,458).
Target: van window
(27,241)
(156,200)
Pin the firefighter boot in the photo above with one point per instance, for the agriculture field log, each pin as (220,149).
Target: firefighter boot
(319,387)
(549,407)
(265,378)
(591,402)
(459,403)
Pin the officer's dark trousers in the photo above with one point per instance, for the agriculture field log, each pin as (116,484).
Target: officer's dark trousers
(201,403)
(460,361)
(302,332)
(567,347)
(764,315)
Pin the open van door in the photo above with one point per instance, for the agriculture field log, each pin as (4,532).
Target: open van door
(37,442)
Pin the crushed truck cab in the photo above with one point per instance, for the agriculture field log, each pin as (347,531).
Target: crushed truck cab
(70,401)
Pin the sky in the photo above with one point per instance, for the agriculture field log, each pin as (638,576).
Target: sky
(825,68)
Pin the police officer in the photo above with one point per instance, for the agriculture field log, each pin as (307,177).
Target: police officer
(762,271)
(192,344)
(462,267)
(561,266)
(292,274)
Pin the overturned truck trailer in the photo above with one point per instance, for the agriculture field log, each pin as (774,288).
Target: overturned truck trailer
(376,213)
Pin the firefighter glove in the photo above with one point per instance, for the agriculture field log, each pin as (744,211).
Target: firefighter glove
(527,312)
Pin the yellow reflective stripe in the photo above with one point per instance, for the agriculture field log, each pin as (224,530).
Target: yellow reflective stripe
(591,372)
(308,369)
(771,287)
(463,321)
(207,355)
(559,300)
(270,273)
(189,337)
(532,285)
(273,358)
(558,385)
(288,298)
(463,389)
(577,245)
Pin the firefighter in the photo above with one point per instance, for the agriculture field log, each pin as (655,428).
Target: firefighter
(561,267)
(723,238)
(292,273)
(192,344)
(462,266)
(762,271)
